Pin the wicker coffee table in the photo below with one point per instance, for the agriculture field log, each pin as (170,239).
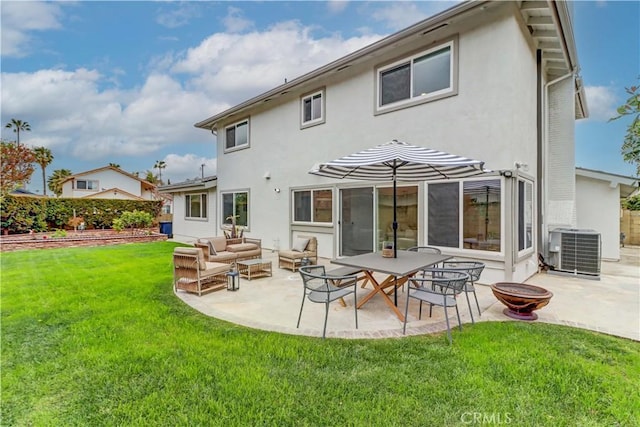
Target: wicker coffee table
(254,268)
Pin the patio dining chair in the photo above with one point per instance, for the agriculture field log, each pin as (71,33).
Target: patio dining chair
(440,288)
(321,288)
(474,270)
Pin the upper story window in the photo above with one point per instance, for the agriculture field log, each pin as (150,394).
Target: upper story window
(85,184)
(312,109)
(236,135)
(422,77)
(313,206)
(196,206)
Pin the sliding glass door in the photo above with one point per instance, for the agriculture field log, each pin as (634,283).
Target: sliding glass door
(356,221)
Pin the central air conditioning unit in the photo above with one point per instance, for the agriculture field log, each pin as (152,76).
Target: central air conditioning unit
(575,251)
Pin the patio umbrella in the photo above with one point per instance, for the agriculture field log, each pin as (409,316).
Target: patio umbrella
(397,160)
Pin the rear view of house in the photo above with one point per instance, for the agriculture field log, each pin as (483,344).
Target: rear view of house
(493,81)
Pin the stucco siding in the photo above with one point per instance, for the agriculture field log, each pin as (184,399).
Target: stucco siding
(598,206)
(560,159)
(188,230)
(492,118)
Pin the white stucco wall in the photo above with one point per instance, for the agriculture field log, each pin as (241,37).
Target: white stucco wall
(188,230)
(492,118)
(598,208)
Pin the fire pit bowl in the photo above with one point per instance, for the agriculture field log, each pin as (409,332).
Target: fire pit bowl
(521,299)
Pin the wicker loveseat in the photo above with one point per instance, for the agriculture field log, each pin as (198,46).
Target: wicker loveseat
(221,249)
(192,273)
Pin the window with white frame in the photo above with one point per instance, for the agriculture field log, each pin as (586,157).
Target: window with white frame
(237,135)
(313,206)
(312,109)
(419,78)
(235,205)
(86,184)
(470,208)
(525,215)
(196,206)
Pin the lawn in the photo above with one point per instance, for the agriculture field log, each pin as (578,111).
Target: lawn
(95,336)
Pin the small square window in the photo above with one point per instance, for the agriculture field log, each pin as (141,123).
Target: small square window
(237,135)
(312,109)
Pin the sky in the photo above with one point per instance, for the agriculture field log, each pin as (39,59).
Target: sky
(124,82)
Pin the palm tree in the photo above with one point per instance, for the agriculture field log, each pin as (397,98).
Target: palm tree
(44,159)
(150,177)
(18,125)
(56,179)
(160,164)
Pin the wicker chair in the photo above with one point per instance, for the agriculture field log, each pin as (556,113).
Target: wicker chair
(192,273)
(292,258)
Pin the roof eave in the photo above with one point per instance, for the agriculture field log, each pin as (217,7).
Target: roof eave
(423,26)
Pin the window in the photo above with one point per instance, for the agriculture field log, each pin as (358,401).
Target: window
(237,135)
(196,205)
(313,206)
(525,215)
(312,109)
(406,215)
(235,205)
(473,208)
(419,78)
(83,184)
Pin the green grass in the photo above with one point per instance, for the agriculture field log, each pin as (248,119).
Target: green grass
(95,336)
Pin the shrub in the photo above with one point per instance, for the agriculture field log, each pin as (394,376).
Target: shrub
(133,220)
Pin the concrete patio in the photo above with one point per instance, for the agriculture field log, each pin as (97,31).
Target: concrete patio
(610,305)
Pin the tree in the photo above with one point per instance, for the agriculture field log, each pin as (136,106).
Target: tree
(150,177)
(44,159)
(56,179)
(631,146)
(160,164)
(17,126)
(17,166)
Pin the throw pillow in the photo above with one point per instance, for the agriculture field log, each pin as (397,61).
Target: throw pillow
(212,250)
(300,244)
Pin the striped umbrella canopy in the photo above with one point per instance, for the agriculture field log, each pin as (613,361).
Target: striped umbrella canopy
(397,160)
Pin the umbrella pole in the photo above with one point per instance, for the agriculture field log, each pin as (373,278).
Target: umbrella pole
(395,222)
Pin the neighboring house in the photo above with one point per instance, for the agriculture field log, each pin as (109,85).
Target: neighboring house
(108,182)
(598,197)
(194,208)
(494,81)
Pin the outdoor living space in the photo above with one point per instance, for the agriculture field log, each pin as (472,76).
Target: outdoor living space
(608,305)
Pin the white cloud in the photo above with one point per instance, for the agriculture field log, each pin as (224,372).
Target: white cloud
(337,6)
(175,17)
(90,124)
(398,15)
(181,167)
(21,18)
(235,22)
(236,67)
(72,111)
(601,101)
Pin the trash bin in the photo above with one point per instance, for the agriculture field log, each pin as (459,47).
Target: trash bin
(166,228)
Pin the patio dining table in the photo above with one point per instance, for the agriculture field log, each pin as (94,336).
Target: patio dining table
(399,270)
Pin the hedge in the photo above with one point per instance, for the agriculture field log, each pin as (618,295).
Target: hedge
(22,214)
